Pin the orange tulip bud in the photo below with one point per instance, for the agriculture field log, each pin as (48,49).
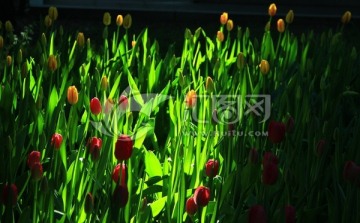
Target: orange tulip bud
(190,99)
(72,95)
(220,36)
(9,60)
(264,67)
(53,13)
(280,25)
(80,39)
(229,25)
(272,9)
(224,18)
(119,20)
(48,21)
(52,63)
(346,17)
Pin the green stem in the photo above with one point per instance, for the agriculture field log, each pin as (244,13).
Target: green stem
(35,203)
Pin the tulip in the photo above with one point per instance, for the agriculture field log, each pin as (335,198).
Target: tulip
(36,171)
(56,140)
(209,85)
(123,147)
(133,43)
(257,214)
(345,19)
(229,25)
(119,20)
(280,25)
(80,39)
(202,196)
(191,207)
(33,157)
(320,146)
(107,19)
(272,10)
(9,195)
(220,36)
(123,102)
(53,13)
(351,172)
(264,67)
(89,203)
(270,158)
(94,145)
(270,173)
(52,63)
(127,21)
(190,99)
(289,17)
(276,131)
(224,18)
(116,172)
(240,61)
(212,168)
(290,214)
(253,156)
(72,95)
(47,21)
(104,83)
(9,27)
(120,196)
(1,42)
(95,106)
(9,60)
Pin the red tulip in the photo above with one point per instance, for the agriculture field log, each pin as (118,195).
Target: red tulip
(290,125)
(270,173)
(89,203)
(95,106)
(191,207)
(257,214)
(116,172)
(33,157)
(290,214)
(36,171)
(212,168)
(9,195)
(351,172)
(123,147)
(320,146)
(56,140)
(120,196)
(276,131)
(123,102)
(202,196)
(253,156)
(270,158)
(94,145)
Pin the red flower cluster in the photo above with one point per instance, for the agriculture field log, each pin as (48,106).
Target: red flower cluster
(212,168)
(116,172)
(270,169)
(34,165)
(276,131)
(123,147)
(200,199)
(9,195)
(94,144)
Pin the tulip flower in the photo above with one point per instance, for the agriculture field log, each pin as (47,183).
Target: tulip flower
(123,102)
(1,42)
(95,106)
(109,104)
(80,40)
(209,85)
(53,13)
(280,25)
(9,195)
(104,83)
(270,158)
(115,174)
(264,67)
(290,214)
(9,60)
(119,20)
(220,36)
(9,27)
(52,63)
(33,157)
(190,99)
(56,140)
(202,196)
(257,214)
(240,61)
(72,95)
(36,171)
(272,10)
(191,207)
(345,19)
(107,19)
(89,203)
(224,18)
(212,168)
(47,21)
(276,131)
(289,17)
(123,147)
(94,145)
(229,25)
(120,196)
(351,172)
(127,21)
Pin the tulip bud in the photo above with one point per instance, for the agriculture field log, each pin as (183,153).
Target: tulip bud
(257,214)
(94,144)
(9,27)
(9,195)
(190,99)
(272,10)
(127,21)
(345,19)
(120,196)
(188,34)
(220,36)
(229,25)
(56,141)
(270,158)
(240,61)
(47,21)
(95,106)
(290,214)
(104,83)
(123,102)
(89,203)
(224,18)
(9,60)
(280,25)
(80,40)
(33,157)
(253,156)
(264,67)
(53,13)
(123,147)
(289,17)
(36,171)
(202,196)
(1,42)
(133,43)
(116,174)
(119,20)
(72,95)
(52,63)
(276,131)
(107,19)
(209,85)
(351,172)
(270,173)
(191,207)
(212,168)
(267,26)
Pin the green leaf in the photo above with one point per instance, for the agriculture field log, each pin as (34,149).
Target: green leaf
(53,101)
(157,206)
(152,165)
(135,91)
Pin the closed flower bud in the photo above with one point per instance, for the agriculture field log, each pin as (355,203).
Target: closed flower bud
(72,95)
(212,168)
(9,195)
(188,34)
(123,102)
(345,19)
(320,147)
(107,19)
(89,203)
(56,140)
(220,36)
(290,214)
(53,13)
(253,156)
(229,25)
(289,17)
(119,20)
(9,60)
(351,172)
(127,21)
(47,21)
(123,147)
(36,171)
(190,99)
(224,18)
(94,144)
(9,27)
(104,83)
(52,63)
(240,61)
(280,25)
(272,10)
(133,43)
(116,174)
(33,157)
(191,207)
(276,131)
(80,40)
(270,173)
(264,67)
(1,42)
(202,196)
(257,214)
(120,196)
(209,85)
(95,106)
